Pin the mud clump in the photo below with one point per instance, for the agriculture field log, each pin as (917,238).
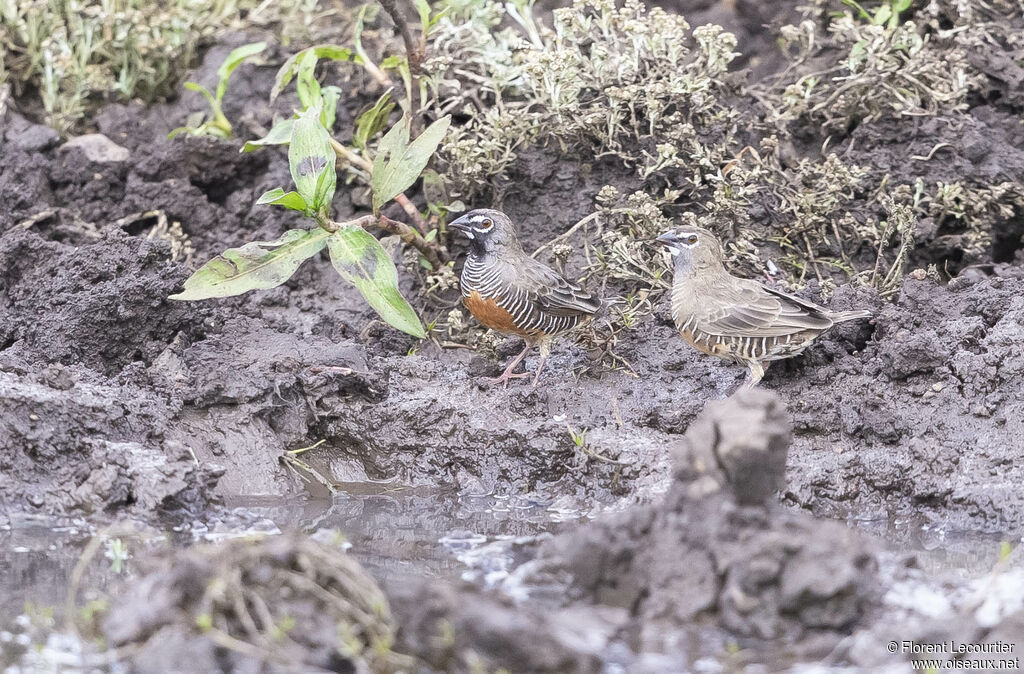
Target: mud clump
(718,549)
(459,628)
(924,418)
(80,446)
(285,601)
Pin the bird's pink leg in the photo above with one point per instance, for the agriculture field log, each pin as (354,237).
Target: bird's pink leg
(507,374)
(545,351)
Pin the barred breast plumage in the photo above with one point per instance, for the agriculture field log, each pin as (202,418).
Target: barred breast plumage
(524,298)
(509,291)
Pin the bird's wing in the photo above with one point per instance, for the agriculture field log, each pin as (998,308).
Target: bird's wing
(749,309)
(551,292)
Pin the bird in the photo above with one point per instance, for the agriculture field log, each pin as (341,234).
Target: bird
(734,318)
(510,292)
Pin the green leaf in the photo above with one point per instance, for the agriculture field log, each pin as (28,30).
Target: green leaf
(399,163)
(311,161)
(373,121)
(235,59)
(423,9)
(278,197)
(389,152)
(863,13)
(281,134)
(360,259)
(306,84)
(882,15)
(194,86)
(254,266)
(366,13)
(330,95)
(287,71)
(392,62)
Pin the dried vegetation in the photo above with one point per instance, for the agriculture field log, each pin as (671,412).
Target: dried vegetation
(71,56)
(765,164)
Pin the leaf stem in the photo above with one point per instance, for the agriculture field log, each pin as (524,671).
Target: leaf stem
(431,251)
(362,162)
(413,213)
(351,157)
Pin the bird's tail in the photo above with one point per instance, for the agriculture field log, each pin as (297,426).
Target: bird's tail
(843,316)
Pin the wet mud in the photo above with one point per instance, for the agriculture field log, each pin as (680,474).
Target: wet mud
(116,402)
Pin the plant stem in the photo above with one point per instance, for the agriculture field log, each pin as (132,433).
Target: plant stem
(413,49)
(430,250)
(351,157)
(364,163)
(413,213)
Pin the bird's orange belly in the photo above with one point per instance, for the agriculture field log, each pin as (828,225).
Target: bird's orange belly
(493,315)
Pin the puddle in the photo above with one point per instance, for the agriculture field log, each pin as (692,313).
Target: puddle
(393,532)
(396,531)
(940,551)
(399,531)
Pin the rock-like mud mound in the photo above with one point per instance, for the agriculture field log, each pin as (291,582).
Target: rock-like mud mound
(719,550)
(283,602)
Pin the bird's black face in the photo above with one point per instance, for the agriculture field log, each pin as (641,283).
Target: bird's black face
(486,229)
(691,247)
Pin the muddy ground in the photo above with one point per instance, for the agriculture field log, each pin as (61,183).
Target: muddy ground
(116,403)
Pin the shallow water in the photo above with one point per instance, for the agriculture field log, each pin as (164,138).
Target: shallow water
(394,531)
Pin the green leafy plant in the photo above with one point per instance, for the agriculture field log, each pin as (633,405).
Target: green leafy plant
(117,552)
(389,167)
(887,14)
(73,57)
(579,438)
(217,124)
(355,254)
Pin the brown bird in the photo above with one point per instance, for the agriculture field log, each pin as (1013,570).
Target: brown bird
(735,318)
(509,291)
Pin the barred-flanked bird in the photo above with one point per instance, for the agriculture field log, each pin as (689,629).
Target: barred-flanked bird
(735,318)
(509,291)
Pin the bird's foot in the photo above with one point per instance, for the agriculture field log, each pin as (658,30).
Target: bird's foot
(506,376)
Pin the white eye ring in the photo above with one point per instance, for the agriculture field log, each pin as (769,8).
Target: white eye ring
(487,225)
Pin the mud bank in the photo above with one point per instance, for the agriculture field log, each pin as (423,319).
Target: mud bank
(915,410)
(714,574)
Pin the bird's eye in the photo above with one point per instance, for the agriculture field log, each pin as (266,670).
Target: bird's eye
(692,239)
(486,224)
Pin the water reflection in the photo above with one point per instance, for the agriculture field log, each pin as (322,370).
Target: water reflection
(397,531)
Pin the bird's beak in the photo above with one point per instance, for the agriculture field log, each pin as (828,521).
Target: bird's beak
(668,239)
(462,225)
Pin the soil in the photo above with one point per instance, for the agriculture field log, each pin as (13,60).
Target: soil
(117,403)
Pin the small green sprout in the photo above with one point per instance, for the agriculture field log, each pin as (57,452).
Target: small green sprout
(117,553)
(279,631)
(888,14)
(579,438)
(217,124)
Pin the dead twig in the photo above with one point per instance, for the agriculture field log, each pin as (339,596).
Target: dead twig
(413,49)
(567,233)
